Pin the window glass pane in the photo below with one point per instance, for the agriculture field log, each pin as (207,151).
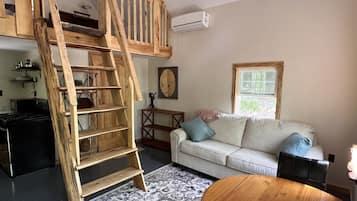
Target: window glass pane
(257,93)
(257,106)
(258,82)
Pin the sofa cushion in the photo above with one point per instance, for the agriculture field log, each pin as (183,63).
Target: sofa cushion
(228,130)
(253,162)
(295,144)
(210,150)
(267,134)
(197,129)
(316,153)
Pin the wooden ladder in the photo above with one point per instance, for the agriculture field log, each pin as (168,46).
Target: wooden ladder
(64,111)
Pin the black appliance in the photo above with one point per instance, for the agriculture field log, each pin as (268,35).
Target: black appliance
(26,138)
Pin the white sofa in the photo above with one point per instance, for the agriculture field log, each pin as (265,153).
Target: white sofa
(240,146)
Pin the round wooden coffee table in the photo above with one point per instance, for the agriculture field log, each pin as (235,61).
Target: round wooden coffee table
(259,188)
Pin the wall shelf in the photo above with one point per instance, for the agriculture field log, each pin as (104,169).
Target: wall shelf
(26,69)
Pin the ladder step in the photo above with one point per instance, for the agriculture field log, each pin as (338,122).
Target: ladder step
(98,109)
(101,157)
(86,68)
(110,180)
(92,88)
(83,46)
(96,132)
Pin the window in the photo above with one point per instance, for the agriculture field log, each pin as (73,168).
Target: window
(257,89)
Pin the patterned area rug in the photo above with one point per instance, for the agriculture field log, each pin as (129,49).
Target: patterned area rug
(168,183)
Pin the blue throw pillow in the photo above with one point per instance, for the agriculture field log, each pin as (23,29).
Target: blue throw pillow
(197,129)
(296,144)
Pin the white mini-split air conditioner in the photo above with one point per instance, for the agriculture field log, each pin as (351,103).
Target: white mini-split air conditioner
(190,22)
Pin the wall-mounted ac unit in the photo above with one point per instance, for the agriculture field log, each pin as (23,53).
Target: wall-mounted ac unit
(190,22)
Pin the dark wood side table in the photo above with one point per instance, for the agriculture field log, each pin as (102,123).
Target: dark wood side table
(149,125)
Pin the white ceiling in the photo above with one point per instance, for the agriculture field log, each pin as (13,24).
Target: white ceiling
(177,7)
(9,43)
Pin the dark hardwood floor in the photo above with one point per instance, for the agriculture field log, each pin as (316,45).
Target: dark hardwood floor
(47,184)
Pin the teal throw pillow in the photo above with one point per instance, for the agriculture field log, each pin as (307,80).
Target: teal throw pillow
(296,144)
(197,129)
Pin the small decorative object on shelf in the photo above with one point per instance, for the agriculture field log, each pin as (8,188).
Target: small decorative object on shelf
(28,66)
(150,124)
(28,63)
(152,98)
(26,77)
(352,165)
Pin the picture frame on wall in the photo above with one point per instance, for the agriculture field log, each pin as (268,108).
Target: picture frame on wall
(168,82)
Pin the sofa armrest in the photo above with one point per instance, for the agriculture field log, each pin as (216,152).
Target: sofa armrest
(316,152)
(176,137)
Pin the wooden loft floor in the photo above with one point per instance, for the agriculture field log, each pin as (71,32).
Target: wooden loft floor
(148,37)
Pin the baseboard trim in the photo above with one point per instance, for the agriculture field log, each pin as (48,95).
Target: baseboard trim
(138,141)
(339,190)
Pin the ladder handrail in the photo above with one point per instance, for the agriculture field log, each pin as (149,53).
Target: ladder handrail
(123,42)
(68,76)
(61,131)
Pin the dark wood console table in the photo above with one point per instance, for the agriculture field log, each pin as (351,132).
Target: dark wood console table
(149,125)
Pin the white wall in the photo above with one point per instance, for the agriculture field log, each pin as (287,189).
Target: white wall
(11,89)
(317,41)
(142,68)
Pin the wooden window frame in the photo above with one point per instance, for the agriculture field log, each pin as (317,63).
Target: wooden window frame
(278,65)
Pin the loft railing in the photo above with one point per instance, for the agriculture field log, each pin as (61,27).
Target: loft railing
(146,24)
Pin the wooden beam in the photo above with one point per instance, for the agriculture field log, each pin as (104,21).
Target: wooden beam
(104,18)
(71,180)
(146,21)
(151,21)
(134,47)
(122,9)
(165,26)
(123,42)
(156,25)
(2,8)
(134,162)
(135,23)
(129,18)
(141,30)
(131,115)
(162,25)
(69,81)
(24,24)
(68,76)
(38,9)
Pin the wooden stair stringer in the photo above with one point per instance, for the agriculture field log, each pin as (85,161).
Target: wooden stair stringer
(61,132)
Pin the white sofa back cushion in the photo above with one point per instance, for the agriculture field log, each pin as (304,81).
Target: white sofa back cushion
(267,134)
(228,130)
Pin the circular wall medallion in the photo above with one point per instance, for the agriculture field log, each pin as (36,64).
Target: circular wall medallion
(168,82)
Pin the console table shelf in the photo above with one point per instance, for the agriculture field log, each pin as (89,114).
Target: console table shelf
(149,126)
